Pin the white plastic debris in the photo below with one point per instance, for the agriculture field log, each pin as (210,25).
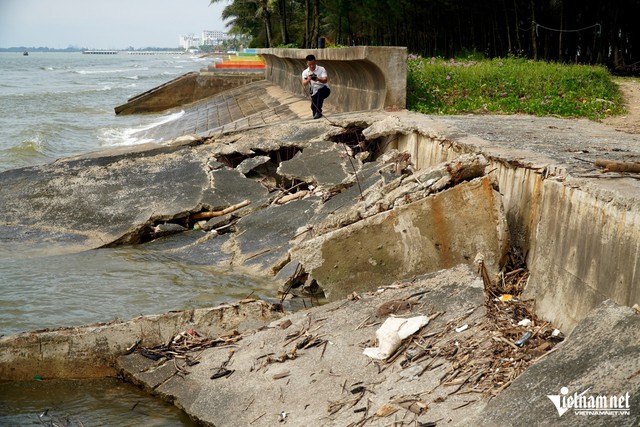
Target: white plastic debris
(525,322)
(462,328)
(391,334)
(555,333)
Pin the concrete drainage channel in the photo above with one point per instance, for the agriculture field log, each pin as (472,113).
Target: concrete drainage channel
(425,196)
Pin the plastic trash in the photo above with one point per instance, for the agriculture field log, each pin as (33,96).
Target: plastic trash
(462,328)
(522,341)
(525,322)
(391,334)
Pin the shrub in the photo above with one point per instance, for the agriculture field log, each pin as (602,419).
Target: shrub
(509,86)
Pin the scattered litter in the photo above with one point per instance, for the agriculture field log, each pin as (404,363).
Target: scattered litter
(391,334)
(386,410)
(462,328)
(280,375)
(556,333)
(505,297)
(283,416)
(522,341)
(221,372)
(525,322)
(285,323)
(412,403)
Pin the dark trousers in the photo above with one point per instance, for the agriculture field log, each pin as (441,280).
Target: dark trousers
(318,99)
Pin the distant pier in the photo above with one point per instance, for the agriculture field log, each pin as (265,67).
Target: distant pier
(100,52)
(132,52)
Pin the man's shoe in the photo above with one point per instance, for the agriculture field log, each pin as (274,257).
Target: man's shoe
(317,115)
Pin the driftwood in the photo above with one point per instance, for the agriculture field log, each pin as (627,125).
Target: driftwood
(212,214)
(617,166)
(289,197)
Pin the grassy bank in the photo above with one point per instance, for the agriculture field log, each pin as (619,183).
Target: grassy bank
(509,86)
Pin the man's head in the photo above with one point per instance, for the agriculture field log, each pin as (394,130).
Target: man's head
(311,61)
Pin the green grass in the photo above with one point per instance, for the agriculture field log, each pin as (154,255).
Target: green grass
(509,86)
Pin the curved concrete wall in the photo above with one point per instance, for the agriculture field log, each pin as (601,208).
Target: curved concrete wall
(360,78)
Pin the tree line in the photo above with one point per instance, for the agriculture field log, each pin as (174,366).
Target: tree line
(576,31)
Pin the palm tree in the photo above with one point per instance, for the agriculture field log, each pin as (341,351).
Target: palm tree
(243,15)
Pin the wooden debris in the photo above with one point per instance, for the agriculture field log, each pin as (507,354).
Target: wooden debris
(617,166)
(482,358)
(289,197)
(386,410)
(285,323)
(221,372)
(412,403)
(394,307)
(280,375)
(213,214)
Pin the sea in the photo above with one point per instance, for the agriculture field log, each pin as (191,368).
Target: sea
(54,105)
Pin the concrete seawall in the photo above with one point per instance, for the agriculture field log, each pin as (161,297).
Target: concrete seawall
(183,90)
(579,229)
(361,78)
(581,236)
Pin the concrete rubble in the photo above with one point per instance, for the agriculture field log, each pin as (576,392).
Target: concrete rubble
(294,184)
(309,367)
(346,209)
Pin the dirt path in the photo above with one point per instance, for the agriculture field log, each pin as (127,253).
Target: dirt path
(630,122)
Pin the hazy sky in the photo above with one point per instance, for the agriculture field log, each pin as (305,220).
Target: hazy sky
(105,24)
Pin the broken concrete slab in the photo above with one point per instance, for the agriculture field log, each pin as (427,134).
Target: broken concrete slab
(90,351)
(323,164)
(229,187)
(251,163)
(101,199)
(439,231)
(314,369)
(263,239)
(597,362)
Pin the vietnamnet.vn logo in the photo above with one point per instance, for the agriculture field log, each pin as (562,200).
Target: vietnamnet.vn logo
(588,404)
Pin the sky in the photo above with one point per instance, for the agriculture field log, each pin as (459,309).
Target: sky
(105,24)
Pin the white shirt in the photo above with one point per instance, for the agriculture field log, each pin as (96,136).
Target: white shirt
(315,85)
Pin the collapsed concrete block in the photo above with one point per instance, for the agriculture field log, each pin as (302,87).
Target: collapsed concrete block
(440,231)
(324,163)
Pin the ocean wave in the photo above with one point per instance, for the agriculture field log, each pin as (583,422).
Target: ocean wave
(133,136)
(29,151)
(99,71)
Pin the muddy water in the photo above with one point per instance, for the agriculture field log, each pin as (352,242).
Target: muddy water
(108,284)
(84,403)
(99,286)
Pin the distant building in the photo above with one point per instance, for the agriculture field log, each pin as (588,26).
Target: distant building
(189,41)
(208,38)
(214,38)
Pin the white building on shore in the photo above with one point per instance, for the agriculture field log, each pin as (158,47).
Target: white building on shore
(208,38)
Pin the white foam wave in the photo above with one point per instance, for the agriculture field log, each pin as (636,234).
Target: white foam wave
(99,71)
(133,136)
